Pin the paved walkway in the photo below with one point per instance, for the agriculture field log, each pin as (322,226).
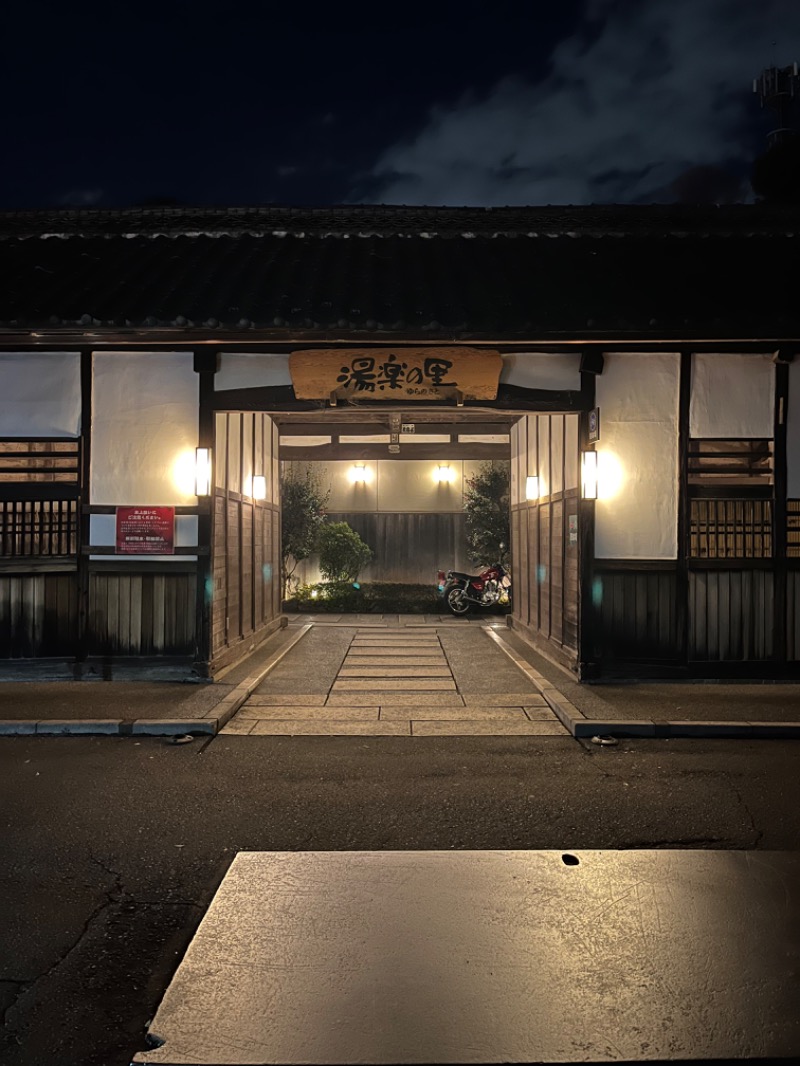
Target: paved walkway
(381,680)
(397,675)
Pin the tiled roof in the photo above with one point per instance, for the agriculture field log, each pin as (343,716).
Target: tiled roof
(515,273)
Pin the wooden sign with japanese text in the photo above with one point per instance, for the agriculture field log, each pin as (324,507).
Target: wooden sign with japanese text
(145,531)
(396,373)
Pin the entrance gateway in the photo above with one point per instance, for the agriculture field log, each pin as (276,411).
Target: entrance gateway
(397,465)
(655,481)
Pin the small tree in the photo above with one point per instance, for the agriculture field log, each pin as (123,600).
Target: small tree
(303,505)
(342,552)
(486,503)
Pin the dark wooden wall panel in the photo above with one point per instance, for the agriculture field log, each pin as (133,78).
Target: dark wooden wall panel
(38,615)
(407,547)
(142,614)
(557,570)
(793,616)
(730,615)
(571,577)
(246,540)
(545,563)
(220,576)
(543,576)
(532,524)
(635,618)
(247,575)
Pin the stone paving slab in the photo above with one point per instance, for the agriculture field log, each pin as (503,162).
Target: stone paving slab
(238,726)
(434,685)
(286,699)
(394,672)
(424,659)
(452,714)
(330,727)
(483,728)
(363,714)
(539,714)
(434,652)
(396,642)
(504,699)
(395,699)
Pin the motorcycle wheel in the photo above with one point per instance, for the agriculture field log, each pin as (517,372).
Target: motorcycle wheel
(455,601)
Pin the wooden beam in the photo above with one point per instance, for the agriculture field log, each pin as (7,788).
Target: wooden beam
(280,399)
(426,452)
(331,427)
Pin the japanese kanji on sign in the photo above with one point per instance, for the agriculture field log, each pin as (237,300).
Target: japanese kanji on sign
(145,531)
(396,373)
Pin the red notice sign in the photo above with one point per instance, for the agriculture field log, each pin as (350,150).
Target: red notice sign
(145,531)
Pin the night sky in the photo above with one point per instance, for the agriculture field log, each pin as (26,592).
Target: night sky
(481,102)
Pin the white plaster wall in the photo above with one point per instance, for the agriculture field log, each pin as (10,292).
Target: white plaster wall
(144,428)
(251,371)
(732,396)
(793,433)
(636,514)
(40,394)
(394,485)
(538,370)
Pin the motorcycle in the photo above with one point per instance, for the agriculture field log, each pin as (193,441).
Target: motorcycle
(463,592)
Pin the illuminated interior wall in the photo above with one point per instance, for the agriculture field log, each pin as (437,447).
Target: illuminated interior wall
(413,523)
(636,514)
(401,485)
(40,394)
(144,435)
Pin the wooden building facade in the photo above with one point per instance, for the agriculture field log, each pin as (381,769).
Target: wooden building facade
(644,388)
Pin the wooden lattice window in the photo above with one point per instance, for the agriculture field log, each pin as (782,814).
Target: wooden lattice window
(731,529)
(793,529)
(726,463)
(730,499)
(39,498)
(26,462)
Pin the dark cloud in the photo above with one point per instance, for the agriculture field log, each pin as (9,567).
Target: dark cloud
(647,101)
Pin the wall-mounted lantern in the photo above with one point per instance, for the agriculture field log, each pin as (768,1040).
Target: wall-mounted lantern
(444,473)
(589,475)
(358,473)
(202,471)
(259,487)
(532,487)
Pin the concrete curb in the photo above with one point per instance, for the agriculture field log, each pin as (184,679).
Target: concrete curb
(580,726)
(154,727)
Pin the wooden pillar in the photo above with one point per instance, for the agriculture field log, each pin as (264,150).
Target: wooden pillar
(682,589)
(779,519)
(84,500)
(206,364)
(588,665)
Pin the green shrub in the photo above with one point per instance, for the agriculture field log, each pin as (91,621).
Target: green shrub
(379,597)
(303,504)
(486,503)
(342,553)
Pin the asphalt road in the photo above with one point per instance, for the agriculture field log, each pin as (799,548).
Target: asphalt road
(113,847)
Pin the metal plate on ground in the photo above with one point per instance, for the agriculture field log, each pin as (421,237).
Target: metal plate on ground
(490,956)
